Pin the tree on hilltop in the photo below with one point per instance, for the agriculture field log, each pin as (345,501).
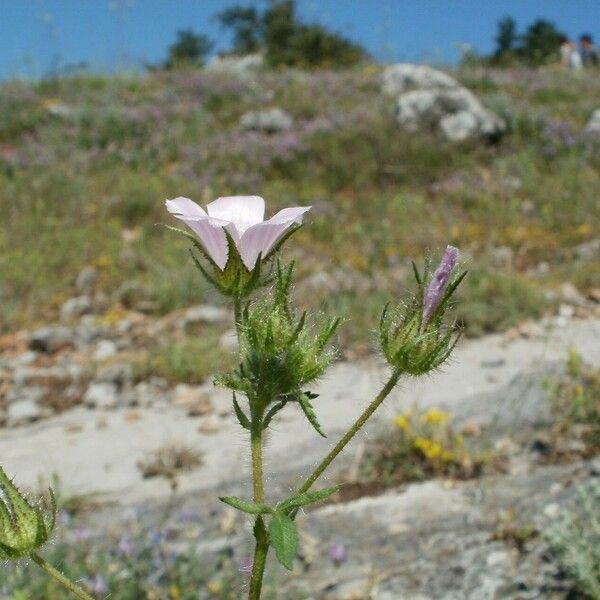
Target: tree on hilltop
(189,49)
(285,39)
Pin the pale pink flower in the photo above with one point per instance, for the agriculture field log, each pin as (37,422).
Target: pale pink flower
(439,282)
(243,218)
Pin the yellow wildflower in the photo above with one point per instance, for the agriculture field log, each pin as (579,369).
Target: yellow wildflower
(435,416)
(214,586)
(402,422)
(429,448)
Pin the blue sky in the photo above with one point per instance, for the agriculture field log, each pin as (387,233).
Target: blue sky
(108,34)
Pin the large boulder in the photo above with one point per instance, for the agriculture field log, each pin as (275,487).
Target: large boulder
(402,77)
(456,113)
(428,99)
(236,65)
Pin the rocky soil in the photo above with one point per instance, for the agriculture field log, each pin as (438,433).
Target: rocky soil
(72,407)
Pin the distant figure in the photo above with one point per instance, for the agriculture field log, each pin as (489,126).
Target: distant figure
(569,55)
(589,52)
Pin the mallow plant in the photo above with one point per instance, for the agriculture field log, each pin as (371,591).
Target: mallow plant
(282,353)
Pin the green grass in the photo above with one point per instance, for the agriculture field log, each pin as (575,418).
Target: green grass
(575,541)
(88,187)
(190,360)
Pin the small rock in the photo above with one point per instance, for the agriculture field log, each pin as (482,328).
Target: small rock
(104,349)
(588,250)
(60,110)
(195,399)
(594,295)
(118,374)
(101,395)
(51,339)
(506,446)
(209,425)
(205,313)
(566,311)
(86,280)
(270,121)
(23,411)
(499,557)
(552,510)
(492,363)
(502,256)
(147,393)
(592,127)
(570,294)
(75,307)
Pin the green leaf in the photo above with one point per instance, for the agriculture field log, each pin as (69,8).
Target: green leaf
(239,413)
(252,508)
(304,401)
(283,538)
(273,411)
(307,498)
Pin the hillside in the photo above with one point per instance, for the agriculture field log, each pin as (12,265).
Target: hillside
(86,163)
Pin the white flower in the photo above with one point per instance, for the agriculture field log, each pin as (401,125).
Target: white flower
(243,218)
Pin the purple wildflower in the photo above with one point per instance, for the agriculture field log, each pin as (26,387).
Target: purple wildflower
(439,282)
(125,546)
(82,534)
(337,553)
(97,585)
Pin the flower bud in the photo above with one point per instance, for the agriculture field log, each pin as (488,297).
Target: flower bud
(23,527)
(414,338)
(280,352)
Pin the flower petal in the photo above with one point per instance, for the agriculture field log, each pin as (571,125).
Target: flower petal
(209,231)
(242,211)
(439,282)
(213,239)
(262,237)
(184,208)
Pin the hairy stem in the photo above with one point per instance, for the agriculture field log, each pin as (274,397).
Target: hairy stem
(62,579)
(237,315)
(262,543)
(383,394)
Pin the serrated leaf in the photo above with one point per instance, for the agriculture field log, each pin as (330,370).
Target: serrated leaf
(252,508)
(307,498)
(239,413)
(283,538)
(303,400)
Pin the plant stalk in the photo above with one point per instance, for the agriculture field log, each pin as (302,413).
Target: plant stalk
(383,394)
(262,543)
(62,579)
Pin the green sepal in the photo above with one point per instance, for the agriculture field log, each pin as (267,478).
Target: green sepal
(23,527)
(284,538)
(239,413)
(307,498)
(273,411)
(252,508)
(327,332)
(304,401)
